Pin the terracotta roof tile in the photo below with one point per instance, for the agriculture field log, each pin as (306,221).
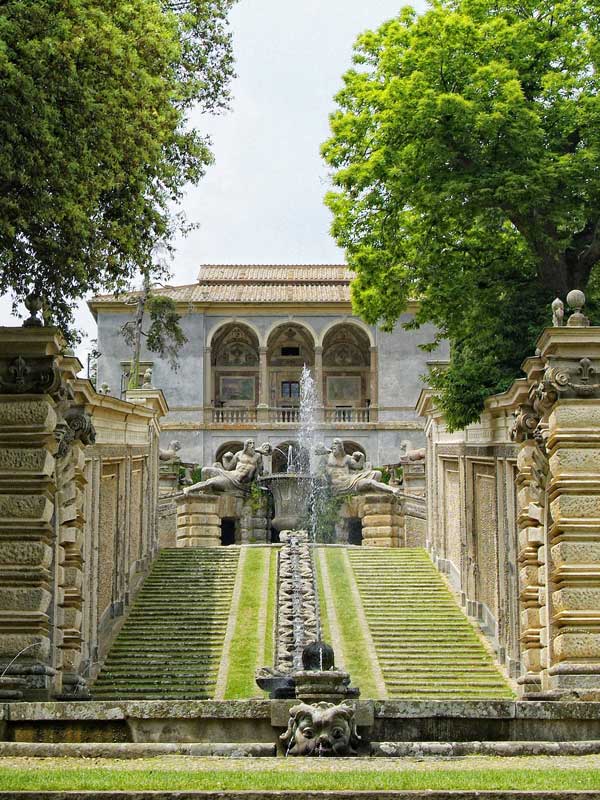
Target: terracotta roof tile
(254,283)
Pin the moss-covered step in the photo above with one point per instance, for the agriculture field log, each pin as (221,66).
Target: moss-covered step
(171,644)
(426,646)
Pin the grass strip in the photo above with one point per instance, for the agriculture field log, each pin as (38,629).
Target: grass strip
(269,651)
(356,651)
(244,649)
(122,778)
(325,626)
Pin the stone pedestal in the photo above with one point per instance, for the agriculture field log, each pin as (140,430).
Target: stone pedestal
(198,521)
(382,520)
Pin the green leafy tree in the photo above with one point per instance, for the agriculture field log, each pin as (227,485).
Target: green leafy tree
(466,165)
(164,335)
(95,146)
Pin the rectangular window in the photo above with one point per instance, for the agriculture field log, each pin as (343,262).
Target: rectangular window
(290,351)
(290,390)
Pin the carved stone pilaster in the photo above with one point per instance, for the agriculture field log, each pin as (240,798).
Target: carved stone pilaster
(531,479)
(560,551)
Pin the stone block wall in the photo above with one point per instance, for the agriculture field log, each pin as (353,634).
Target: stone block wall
(200,516)
(513,507)
(78,489)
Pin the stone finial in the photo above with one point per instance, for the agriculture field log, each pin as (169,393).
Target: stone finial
(558,313)
(147,384)
(34,304)
(576,301)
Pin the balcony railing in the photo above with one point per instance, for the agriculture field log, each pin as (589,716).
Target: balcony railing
(233,416)
(245,415)
(347,415)
(284,414)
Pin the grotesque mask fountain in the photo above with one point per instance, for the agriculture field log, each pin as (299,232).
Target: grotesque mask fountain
(321,729)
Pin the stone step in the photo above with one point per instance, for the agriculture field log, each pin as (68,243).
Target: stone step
(172,639)
(426,646)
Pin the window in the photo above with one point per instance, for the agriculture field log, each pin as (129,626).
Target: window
(290,351)
(290,390)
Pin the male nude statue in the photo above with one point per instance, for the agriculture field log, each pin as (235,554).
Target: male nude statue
(236,472)
(348,474)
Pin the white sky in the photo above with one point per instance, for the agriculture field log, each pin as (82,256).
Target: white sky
(262,200)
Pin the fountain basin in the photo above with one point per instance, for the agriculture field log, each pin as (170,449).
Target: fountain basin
(291,493)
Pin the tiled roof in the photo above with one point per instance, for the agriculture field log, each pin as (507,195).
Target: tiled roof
(255,283)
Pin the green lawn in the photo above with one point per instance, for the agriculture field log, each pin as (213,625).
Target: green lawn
(356,657)
(246,644)
(121,777)
(268,653)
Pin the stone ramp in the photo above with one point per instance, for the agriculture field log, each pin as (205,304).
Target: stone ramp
(171,643)
(426,647)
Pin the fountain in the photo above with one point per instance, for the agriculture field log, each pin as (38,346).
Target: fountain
(295,491)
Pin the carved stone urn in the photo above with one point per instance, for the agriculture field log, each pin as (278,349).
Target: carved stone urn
(291,494)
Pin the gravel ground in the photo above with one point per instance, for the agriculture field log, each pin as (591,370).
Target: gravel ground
(191,763)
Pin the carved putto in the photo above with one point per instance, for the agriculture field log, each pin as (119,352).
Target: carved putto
(321,729)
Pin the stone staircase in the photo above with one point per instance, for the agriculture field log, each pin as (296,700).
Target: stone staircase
(171,643)
(427,648)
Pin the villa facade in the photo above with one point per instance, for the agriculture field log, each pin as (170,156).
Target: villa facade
(250,330)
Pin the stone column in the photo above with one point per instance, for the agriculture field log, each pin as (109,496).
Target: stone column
(319,381)
(374,385)
(574,545)
(262,410)
(208,398)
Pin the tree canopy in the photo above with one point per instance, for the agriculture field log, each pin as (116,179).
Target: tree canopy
(466,165)
(95,146)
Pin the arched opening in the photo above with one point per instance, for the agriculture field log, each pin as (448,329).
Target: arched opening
(228,527)
(289,348)
(346,374)
(355,535)
(352,447)
(228,447)
(235,366)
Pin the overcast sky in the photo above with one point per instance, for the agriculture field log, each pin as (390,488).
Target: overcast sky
(262,200)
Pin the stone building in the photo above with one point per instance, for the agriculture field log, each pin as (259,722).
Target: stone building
(250,329)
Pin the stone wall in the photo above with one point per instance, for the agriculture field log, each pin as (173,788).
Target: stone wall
(513,507)
(78,491)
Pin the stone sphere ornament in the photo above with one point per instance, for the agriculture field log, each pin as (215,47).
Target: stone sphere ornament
(576,301)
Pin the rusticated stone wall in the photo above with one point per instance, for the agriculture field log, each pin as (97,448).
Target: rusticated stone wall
(75,536)
(513,508)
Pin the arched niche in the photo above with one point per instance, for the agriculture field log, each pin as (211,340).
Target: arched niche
(235,366)
(281,454)
(289,347)
(346,368)
(228,447)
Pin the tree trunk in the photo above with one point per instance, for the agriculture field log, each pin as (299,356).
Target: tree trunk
(134,367)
